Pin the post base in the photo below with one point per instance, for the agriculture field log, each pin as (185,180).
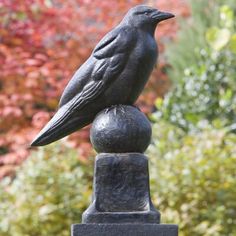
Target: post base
(93,216)
(121,190)
(124,230)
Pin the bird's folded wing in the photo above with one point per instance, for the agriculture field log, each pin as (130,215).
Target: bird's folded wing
(108,61)
(109,58)
(120,40)
(64,113)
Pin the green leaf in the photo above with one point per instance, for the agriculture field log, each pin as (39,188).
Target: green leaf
(159,102)
(21,16)
(228,94)
(226,16)
(232,44)
(217,38)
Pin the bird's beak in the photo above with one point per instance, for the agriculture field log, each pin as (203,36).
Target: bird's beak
(160,16)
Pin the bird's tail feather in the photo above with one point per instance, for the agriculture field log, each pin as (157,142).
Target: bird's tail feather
(62,124)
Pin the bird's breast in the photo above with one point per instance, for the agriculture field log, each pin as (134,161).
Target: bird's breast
(131,81)
(145,57)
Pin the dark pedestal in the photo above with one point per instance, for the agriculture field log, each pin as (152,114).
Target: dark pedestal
(124,230)
(121,190)
(121,203)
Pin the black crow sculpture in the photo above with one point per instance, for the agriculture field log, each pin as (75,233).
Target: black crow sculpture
(115,73)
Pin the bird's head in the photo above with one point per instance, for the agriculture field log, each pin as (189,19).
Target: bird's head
(145,17)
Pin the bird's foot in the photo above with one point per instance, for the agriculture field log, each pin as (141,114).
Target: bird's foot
(109,108)
(114,107)
(136,106)
(121,108)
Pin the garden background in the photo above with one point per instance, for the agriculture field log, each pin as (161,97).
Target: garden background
(190,100)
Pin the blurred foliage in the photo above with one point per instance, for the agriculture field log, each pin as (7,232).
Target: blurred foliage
(49,193)
(190,38)
(206,88)
(193,172)
(193,179)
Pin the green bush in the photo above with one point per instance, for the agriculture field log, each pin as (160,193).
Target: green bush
(49,193)
(190,37)
(206,89)
(184,52)
(193,155)
(193,179)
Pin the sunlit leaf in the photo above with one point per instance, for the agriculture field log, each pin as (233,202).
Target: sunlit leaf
(232,44)
(158,102)
(227,16)
(218,38)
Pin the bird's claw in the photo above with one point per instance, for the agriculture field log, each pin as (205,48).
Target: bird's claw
(136,107)
(115,108)
(109,108)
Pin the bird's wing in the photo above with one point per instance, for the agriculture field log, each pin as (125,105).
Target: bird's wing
(120,40)
(77,83)
(109,57)
(106,62)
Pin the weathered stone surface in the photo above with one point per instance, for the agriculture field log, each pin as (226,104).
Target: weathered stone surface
(124,230)
(121,190)
(94,216)
(120,129)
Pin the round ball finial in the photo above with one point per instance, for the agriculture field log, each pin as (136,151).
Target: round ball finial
(120,129)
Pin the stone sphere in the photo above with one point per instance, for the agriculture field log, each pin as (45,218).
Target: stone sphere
(120,129)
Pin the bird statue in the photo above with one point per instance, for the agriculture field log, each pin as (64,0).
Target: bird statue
(115,73)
